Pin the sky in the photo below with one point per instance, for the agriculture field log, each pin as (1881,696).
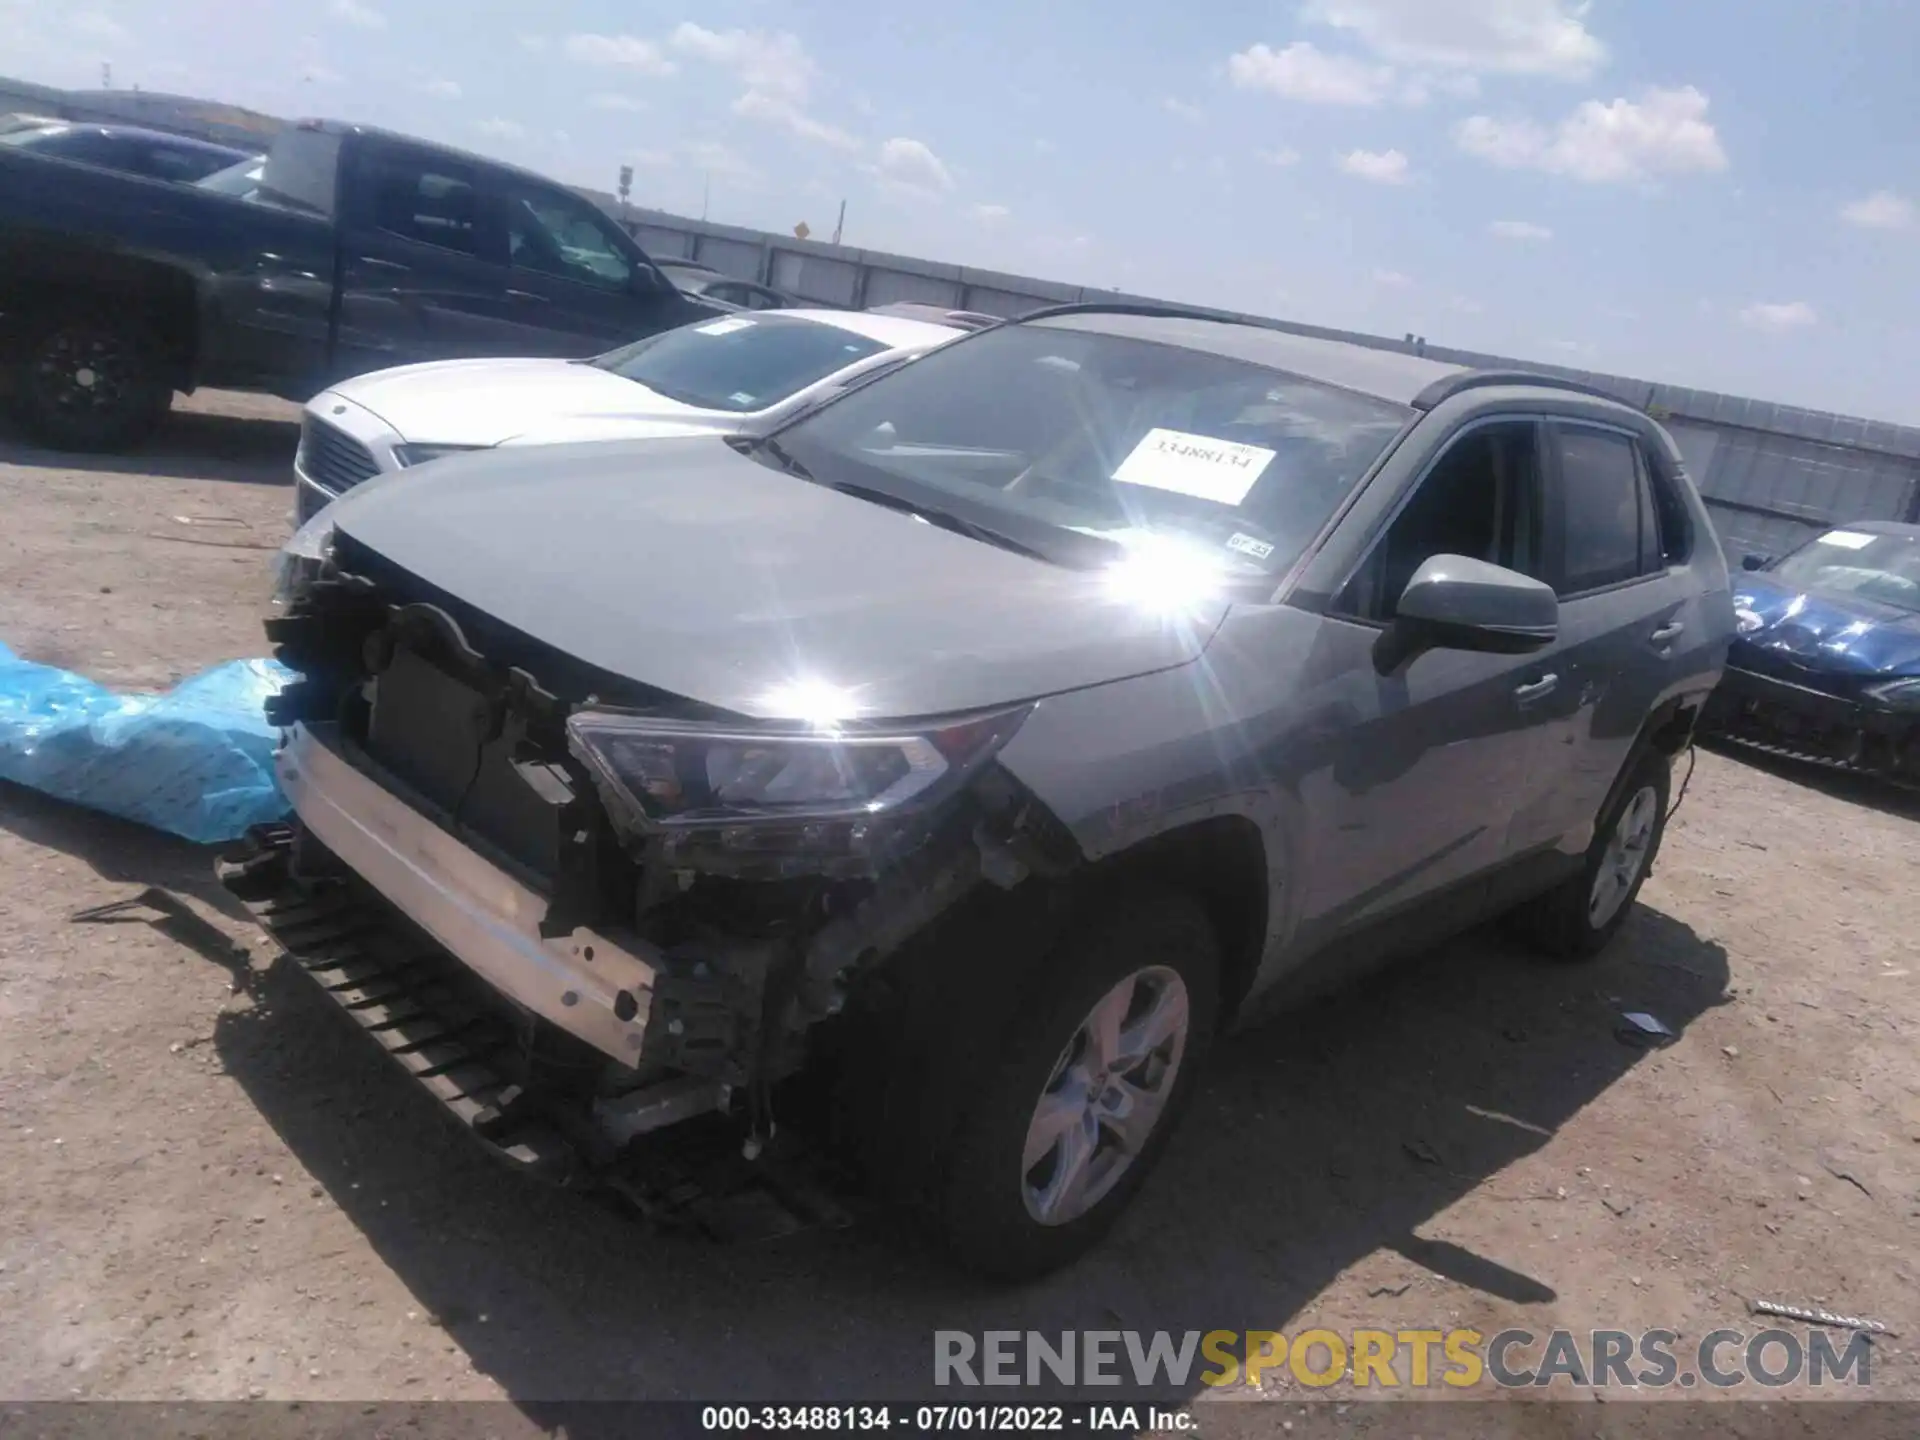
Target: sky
(1716,193)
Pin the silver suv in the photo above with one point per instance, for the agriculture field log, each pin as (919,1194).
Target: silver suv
(932,779)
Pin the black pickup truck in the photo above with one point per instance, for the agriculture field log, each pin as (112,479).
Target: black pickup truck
(356,250)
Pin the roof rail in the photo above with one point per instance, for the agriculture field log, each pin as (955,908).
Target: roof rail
(1448,386)
(1132,307)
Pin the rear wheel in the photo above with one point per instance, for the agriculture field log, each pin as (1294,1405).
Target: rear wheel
(1052,1116)
(1576,920)
(91,382)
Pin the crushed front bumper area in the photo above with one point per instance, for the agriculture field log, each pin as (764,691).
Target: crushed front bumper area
(1788,718)
(595,986)
(457,1042)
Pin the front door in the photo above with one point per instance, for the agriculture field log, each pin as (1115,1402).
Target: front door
(573,287)
(1424,762)
(422,270)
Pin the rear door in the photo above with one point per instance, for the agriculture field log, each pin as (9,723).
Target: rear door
(422,264)
(1625,606)
(575,285)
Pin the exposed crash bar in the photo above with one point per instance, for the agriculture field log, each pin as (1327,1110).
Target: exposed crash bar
(478,911)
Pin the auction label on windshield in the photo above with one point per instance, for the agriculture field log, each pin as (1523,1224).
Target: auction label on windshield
(1847,539)
(723,327)
(1197,465)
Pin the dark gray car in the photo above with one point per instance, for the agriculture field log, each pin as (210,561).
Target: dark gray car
(939,774)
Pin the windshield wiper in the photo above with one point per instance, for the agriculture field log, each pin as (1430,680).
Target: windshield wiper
(945,519)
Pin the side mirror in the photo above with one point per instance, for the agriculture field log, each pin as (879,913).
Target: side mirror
(1756,562)
(1454,603)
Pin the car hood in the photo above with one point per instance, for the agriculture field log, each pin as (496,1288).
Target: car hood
(492,402)
(683,565)
(1843,634)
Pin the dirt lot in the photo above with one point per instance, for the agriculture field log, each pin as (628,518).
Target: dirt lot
(210,1188)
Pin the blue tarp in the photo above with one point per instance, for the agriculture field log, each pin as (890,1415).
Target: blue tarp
(196,761)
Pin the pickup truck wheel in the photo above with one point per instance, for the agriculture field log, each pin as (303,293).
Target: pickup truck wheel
(92,383)
(1576,920)
(1078,1089)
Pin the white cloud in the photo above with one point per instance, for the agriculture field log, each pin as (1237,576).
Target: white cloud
(1665,132)
(441,89)
(610,101)
(353,12)
(1393,279)
(1519,230)
(93,25)
(773,64)
(1464,305)
(911,164)
(1508,37)
(498,129)
(758,105)
(1282,157)
(1882,210)
(718,159)
(629,51)
(1305,72)
(991,214)
(1787,315)
(1383,167)
(1181,110)
(776,71)
(537,44)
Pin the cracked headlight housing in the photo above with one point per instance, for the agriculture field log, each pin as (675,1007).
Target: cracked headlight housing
(742,799)
(298,563)
(1902,695)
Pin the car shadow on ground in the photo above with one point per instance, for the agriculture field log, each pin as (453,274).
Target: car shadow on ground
(1318,1139)
(1856,789)
(191,445)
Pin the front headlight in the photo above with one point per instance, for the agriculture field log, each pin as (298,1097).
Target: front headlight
(1746,621)
(299,562)
(1898,694)
(831,800)
(411,455)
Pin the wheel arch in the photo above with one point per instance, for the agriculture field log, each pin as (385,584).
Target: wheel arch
(1222,860)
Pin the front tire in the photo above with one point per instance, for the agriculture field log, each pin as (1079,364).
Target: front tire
(1082,1082)
(91,382)
(1577,919)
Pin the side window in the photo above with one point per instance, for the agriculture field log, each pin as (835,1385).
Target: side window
(430,201)
(1480,499)
(555,234)
(172,165)
(1603,511)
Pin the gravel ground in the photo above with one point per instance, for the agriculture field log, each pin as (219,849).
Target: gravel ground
(211,1189)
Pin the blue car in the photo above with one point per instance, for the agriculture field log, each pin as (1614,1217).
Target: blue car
(1826,664)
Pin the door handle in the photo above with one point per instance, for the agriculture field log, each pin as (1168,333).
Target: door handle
(1667,634)
(1538,690)
(374,262)
(528,296)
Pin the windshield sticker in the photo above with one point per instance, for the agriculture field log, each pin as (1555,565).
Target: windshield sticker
(1247,545)
(1847,539)
(740,397)
(723,327)
(1208,469)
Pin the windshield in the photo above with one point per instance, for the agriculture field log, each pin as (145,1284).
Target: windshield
(1858,562)
(741,362)
(1125,439)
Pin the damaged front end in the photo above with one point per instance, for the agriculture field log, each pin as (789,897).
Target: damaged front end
(661,902)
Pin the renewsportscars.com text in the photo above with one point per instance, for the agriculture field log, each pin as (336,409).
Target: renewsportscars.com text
(1405,1359)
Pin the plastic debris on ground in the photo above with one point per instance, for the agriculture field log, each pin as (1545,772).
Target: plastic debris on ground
(196,760)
